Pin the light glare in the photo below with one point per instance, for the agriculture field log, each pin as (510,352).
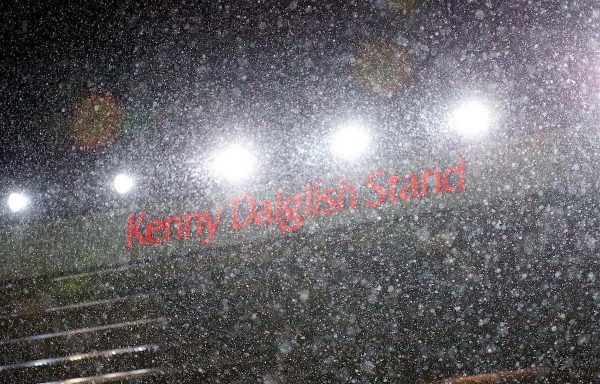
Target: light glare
(123,183)
(350,141)
(235,163)
(17,202)
(471,119)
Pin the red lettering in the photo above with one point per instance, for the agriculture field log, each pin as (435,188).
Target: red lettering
(376,187)
(235,223)
(413,184)
(154,225)
(340,195)
(438,181)
(392,180)
(188,223)
(133,229)
(212,224)
(327,198)
(315,209)
(168,221)
(265,215)
(460,171)
(290,213)
(278,205)
(307,200)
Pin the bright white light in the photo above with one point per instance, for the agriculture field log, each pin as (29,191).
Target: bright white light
(17,202)
(123,183)
(350,141)
(234,163)
(471,119)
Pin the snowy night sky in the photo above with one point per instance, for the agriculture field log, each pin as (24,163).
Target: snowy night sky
(178,79)
(120,118)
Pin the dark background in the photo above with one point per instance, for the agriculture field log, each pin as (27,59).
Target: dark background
(188,76)
(503,285)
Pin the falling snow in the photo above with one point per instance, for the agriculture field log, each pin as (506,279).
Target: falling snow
(442,160)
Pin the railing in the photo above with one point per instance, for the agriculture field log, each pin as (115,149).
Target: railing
(373,302)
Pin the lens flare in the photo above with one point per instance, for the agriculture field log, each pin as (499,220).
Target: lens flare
(96,121)
(350,141)
(17,202)
(382,68)
(404,6)
(123,183)
(471,119)
(234,163)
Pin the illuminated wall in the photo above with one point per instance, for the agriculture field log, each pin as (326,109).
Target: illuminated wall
(528,165)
